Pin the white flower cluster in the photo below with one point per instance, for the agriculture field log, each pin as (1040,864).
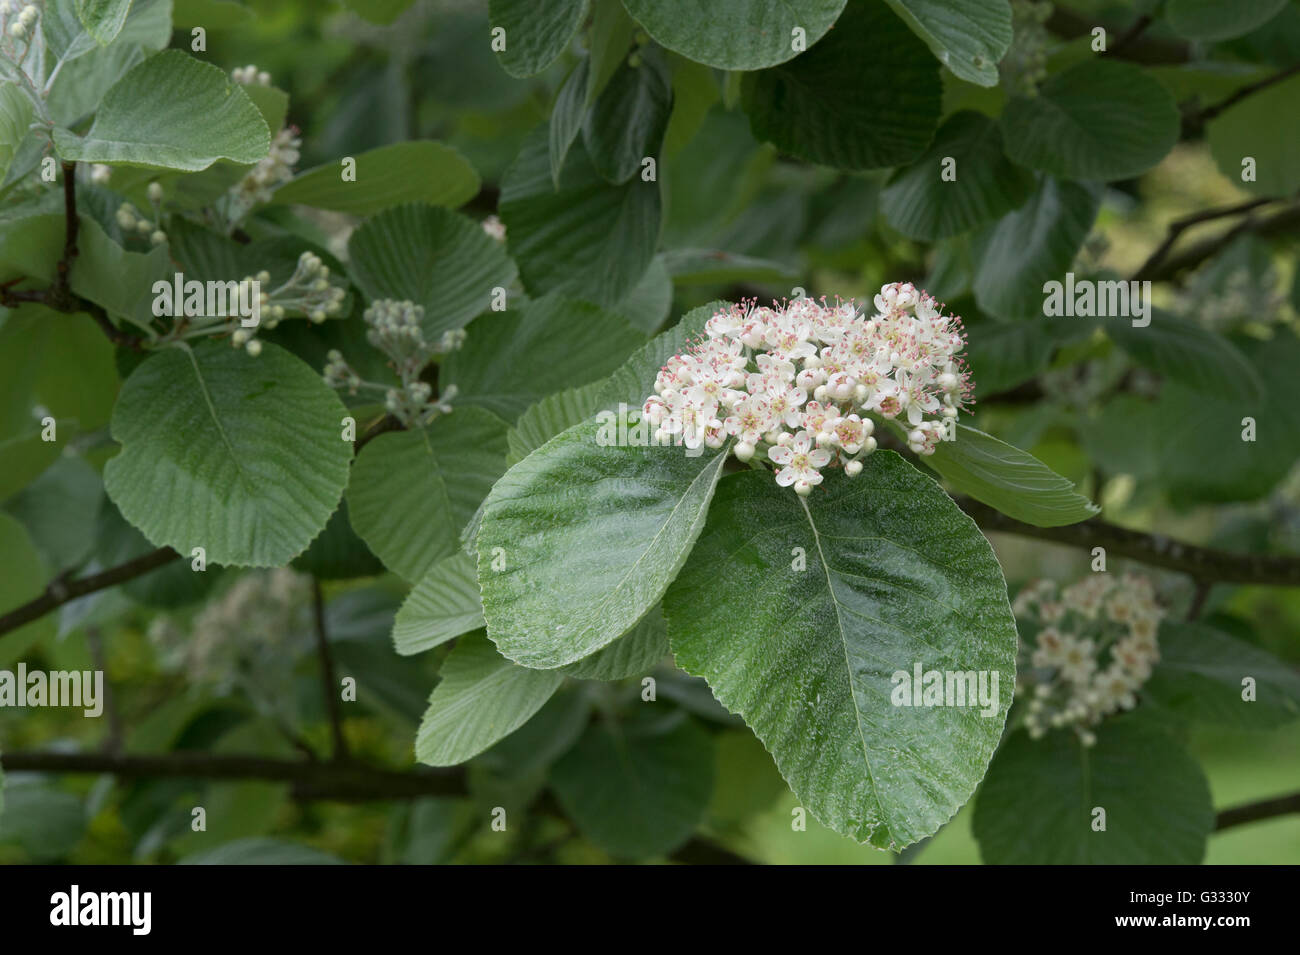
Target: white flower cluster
(133,223)
(277,167)
(495,228)
(21,25)
(1097,616)
(396,330)
(307,292)
(797,382)
(250,75)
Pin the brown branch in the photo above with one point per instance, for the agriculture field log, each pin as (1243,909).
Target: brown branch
(1129,36)
(1138,48)
(1237,96)
(329,684)
(1156,550)
(1281,221)
(60,292)
(1179,226)
(61,590)
(348,782)
(1256,811)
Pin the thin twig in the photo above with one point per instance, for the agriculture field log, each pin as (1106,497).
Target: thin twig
(1179,226)
(1129,36)
(1237,96)
(61,591)
(382,426)
(116,734)
(329,683)
(1256,811)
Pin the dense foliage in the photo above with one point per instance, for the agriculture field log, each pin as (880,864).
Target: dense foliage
(605,403)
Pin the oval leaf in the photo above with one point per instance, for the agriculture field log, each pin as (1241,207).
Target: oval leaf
(800,614)
(240,456)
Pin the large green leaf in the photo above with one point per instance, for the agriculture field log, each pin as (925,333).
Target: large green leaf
(536,31)
(1216,20)
(103,19)
(171,112)
(634,380)
(433,257)
(566,118)
(735,34)
(1032,246)
(411,492)
(589,239)
(586,539)
(969,37)
(1101,119)
(799,614)
(637,790)
(1189,353)
(119,281)
(1265,127)
(513,358)
(1037,804)
(1200,677)
(632,654)
(419,171)
(241,456)
(88,69)
(15,114)
(442,606)
(555,413)
(481,697)
(22,578)
(866,97)
(1013,481)
(626,123)
(920,203)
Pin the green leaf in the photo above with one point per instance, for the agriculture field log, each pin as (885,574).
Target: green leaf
(1201,674)
(536,31)
(627,122)
(411,492)
(1100,119)
(637,790)
(867,96)
(119,281)
(511,359)
(632,654)
(634,380)
(22,578)
(1013,481)
(261,851)
(89,69)
(646,307)
(59,510)
(433,257)
(589,239)
(588,537)
(1187,352)
(15,115)
(1214,20)
(171,112)
(442,606)
(555,413)
(1002,355)
(418,171)
(103,19)
(716,267)
(611,37)
(921,204)
(241,456)
(1265,127)
(735,34)
(969,37)
(799,614)
(1037,804)
(481,698)
(47,823)
(30,247)
(56,365)
(566,118)
(338,553)
(1031,246)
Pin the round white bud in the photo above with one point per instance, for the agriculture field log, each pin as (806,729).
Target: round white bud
(744,450)
(155,192)
(853,468)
